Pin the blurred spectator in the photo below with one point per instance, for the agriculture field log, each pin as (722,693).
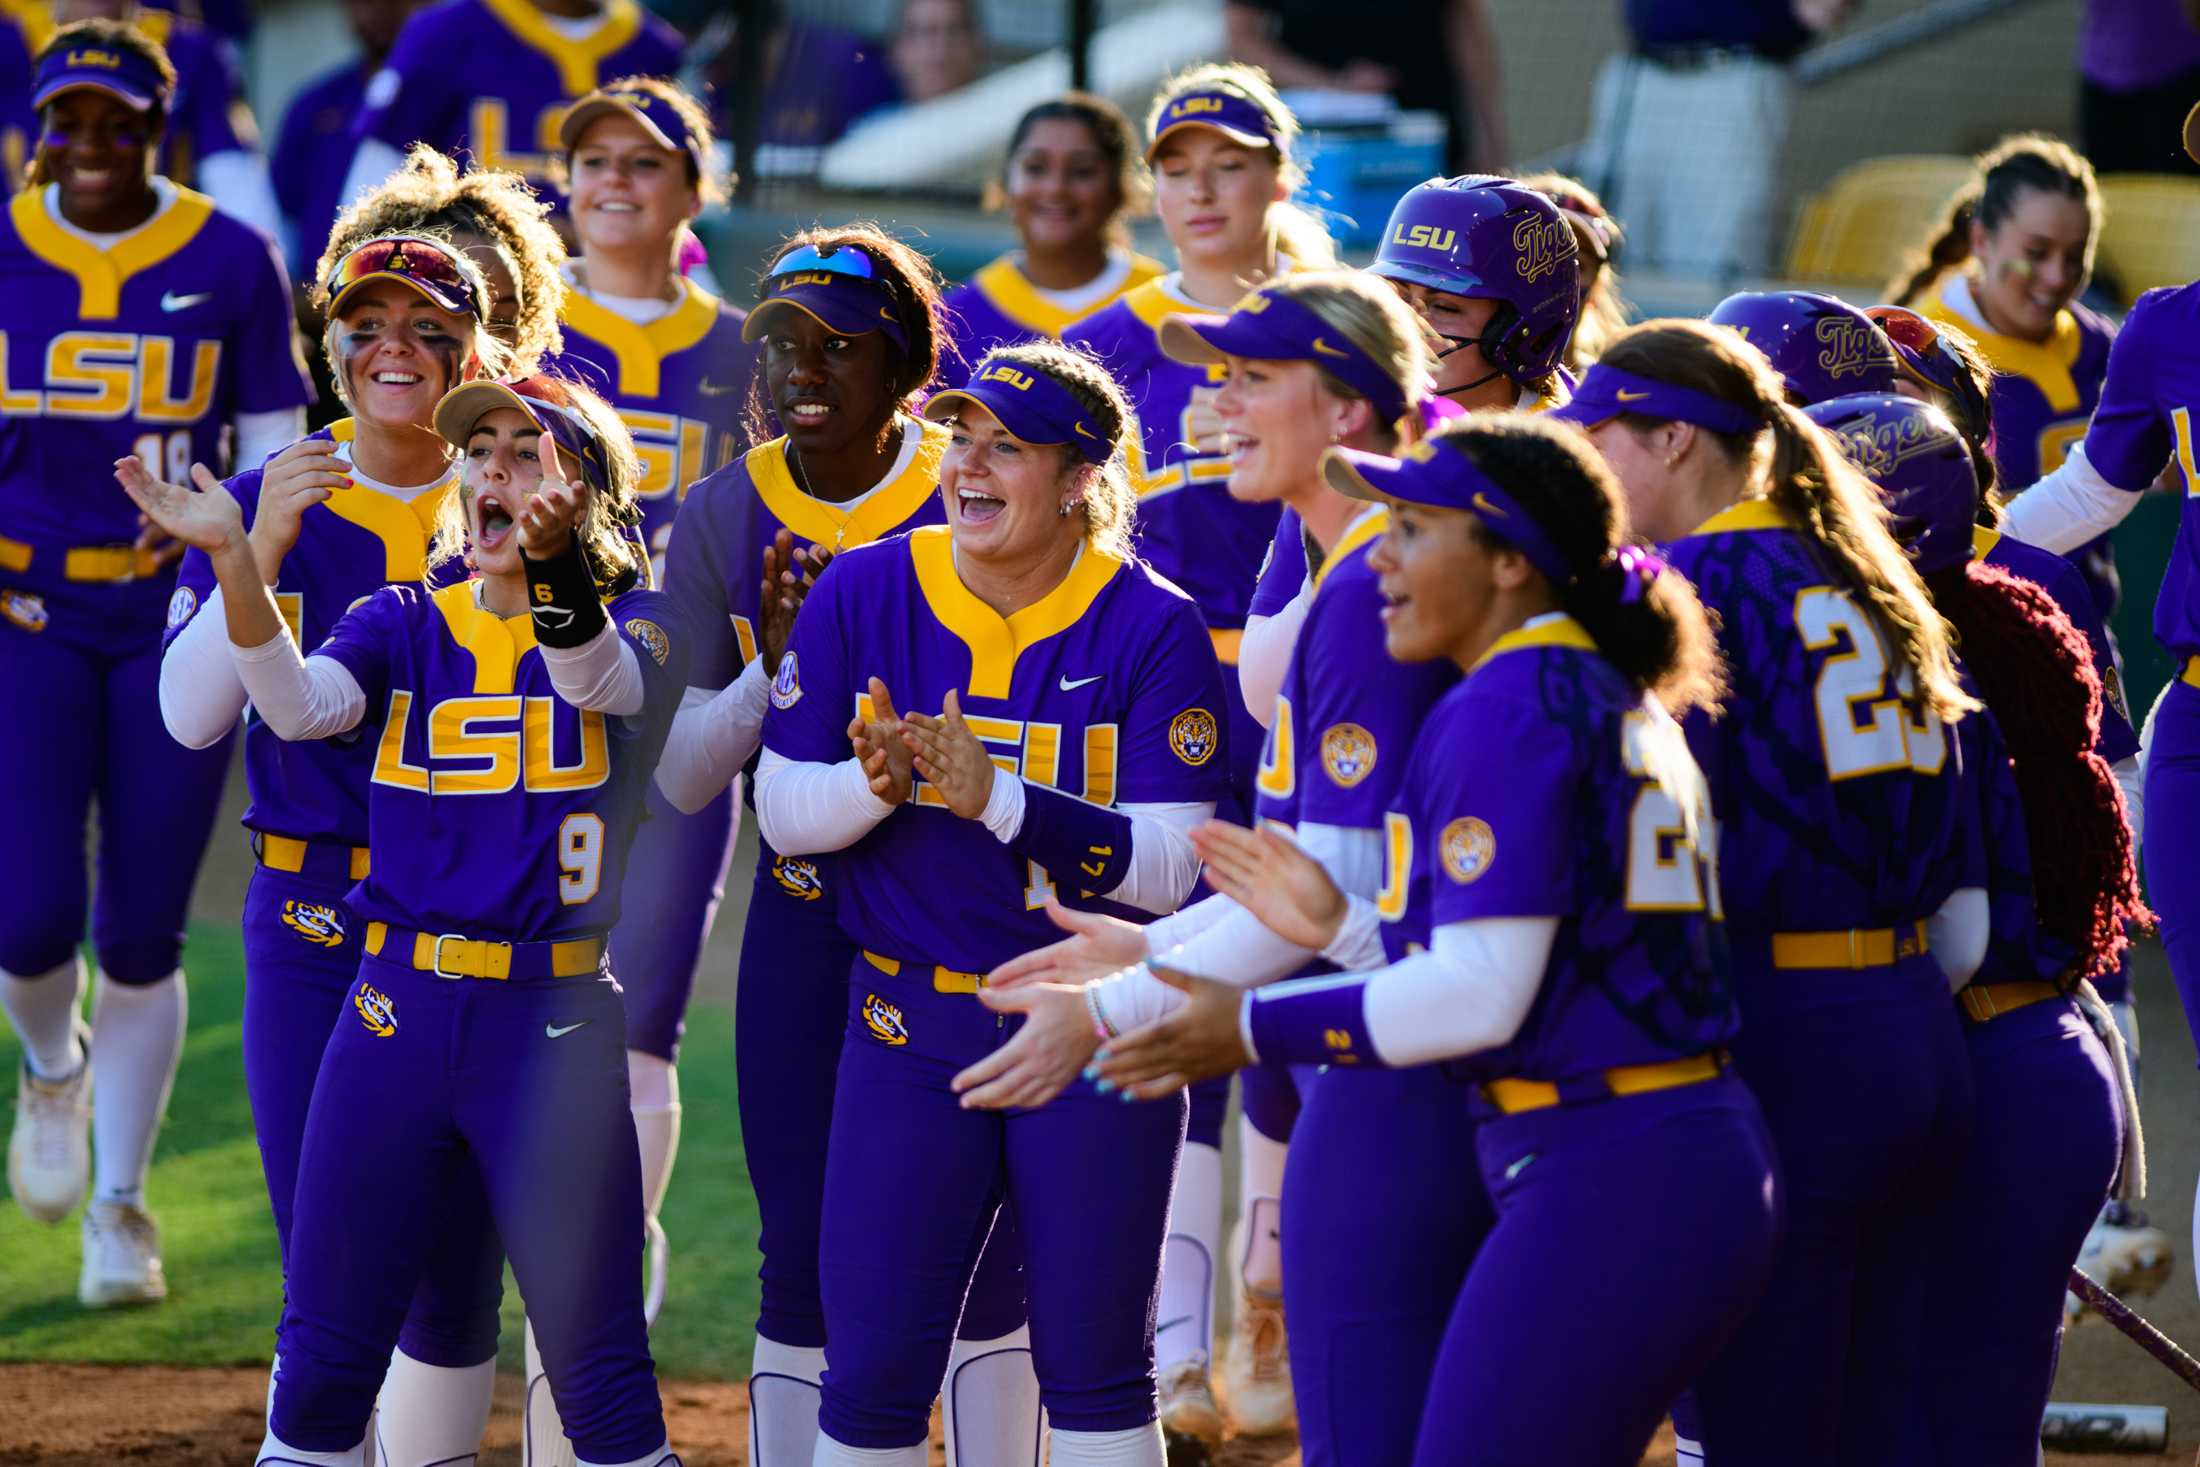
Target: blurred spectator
(2139,71)
(1687,128)
(938,48)
(817,81)
(17,122)
(487,80)
(313,147)
(229,19)
(1429,55)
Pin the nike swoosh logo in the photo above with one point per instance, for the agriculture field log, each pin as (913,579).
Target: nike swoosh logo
(173,302)
(1482,503)
(553,1032)
(1084,432)
(1323,348)
(1068,686)
(1626,396)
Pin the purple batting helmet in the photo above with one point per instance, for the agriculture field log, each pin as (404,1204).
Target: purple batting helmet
(1489,238)
(1917,460)
(1825,348)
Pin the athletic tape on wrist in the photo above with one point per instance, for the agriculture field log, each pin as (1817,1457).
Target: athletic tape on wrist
(562,600)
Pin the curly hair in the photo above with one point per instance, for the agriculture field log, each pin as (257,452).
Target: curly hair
(2036,672)
(113,35)
(913,284)
(429,195)
(1111,504)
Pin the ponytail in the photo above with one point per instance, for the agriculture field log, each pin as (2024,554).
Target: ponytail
(1949,248)
(2025,161)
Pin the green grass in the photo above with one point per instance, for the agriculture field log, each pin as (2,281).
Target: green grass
(219,1241)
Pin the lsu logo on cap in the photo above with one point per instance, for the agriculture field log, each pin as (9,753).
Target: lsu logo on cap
(1425,237)
(104,60)
(1850,346)
(1252,303)
(784,283)
(375,1011)
(884,1021)
(798,878)
(787,687)
(1468,846)
(1194,736)
(1348,753)
(182,605)
(1194,106)
(316,922)
(1542,245)
(1021,381)
(652,637)
(25,609)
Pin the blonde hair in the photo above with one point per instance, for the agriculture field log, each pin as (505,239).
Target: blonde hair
(709,186)
(2025,160)
(605,528)
(1372,316)
(430,196)
(1603,311)
(1111,504)
(1297,231)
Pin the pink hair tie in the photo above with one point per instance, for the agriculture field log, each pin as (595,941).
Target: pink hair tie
(1437,411)
(692,252)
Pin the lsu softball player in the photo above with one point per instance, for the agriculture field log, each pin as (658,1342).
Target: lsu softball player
(1844,866)
(1604,310)
(1220,146)
(133,319)
(2048,1133)
(332,519)
(1821,347)
(848,327)
(1070,181)
(2007,267)
(513,719)
(1083,671)
(1553,927)
(669,356)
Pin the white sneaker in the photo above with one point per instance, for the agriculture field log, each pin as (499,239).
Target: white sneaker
(50,1149)
(1189,1414)
(121,1257)
(1257,1369)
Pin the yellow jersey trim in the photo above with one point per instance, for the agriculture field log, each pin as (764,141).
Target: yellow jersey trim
(1563,631)
(2045,364)
(1983,541)
(1362,530)
(1153,305)
(822,522)
(995,642)
(496,642)
(37,22)
(641,350)
(1011,292)
(404,528)
(1755,513)
(576,61)
(101,273)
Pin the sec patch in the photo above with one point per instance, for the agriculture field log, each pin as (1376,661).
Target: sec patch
(652,637)
(787,687)
(884,1021)
(1194,736)
(1348,753)
(181,605)
(1468,847)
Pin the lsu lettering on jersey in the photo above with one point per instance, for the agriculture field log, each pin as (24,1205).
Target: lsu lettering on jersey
(350,546)
(1838,795)
(489,79)
(1107,687)
(1544,785)
(1189,528)
(999,306)
(679,382)
(494,807)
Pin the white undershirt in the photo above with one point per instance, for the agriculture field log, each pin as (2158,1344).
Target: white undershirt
(1080,298)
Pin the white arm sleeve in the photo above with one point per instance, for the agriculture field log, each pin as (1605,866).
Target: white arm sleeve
(1264,654)
(712,737)
(312,698)
(201,696)
(803,808)
(374,162)
(601,675)
(1957,934)
(237,181)
(1186,923)
(1163,865)
(2068,507)
(260,436)
(1358,945)
(2131,778)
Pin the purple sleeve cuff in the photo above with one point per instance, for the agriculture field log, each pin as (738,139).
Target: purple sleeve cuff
(1313,1021)
(1080,844)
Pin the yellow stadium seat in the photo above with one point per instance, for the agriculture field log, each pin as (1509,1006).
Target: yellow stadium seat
(2151,236)
(1862,226)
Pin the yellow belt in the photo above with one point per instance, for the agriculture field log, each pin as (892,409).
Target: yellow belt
(448,955)
(944,980)
(281,853)
(1858,947)
(1513,1096)
(86,562)
(2191,674)
(1226,641)
(1983,1001)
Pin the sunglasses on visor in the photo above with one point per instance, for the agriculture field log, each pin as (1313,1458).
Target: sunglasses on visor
(436,268)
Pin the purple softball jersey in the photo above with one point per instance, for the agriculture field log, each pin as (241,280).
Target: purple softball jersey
(999,306)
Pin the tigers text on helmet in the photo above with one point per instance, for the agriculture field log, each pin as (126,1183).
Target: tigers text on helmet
(1824,348)
(1919,464)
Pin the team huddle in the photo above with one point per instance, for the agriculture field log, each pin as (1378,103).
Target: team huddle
(1653,837)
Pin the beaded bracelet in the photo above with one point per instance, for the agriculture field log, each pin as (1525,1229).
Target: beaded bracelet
(1101,1028)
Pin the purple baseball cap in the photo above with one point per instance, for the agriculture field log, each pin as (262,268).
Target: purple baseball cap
(466,404)
(1608,393)
(652,113)
(1030,404)
(839,288)
(1237,118)
(124,75)
(1442,477)
(1271,326)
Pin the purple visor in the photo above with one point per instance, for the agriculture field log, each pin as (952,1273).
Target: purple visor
(1235,117)
(839,288)
(124,75)
(1270,327)
(1608,393)
(1444,478)
(1031,405)
(466,404)
(652,113)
